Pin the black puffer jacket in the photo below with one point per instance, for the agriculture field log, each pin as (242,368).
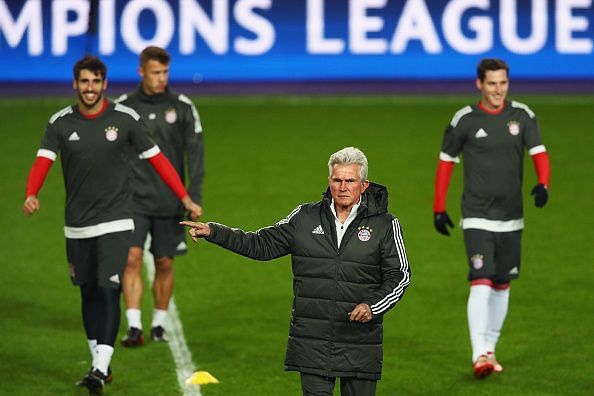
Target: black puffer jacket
(369,267)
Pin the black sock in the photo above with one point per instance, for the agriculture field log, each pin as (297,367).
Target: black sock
(109,322)
(90,309)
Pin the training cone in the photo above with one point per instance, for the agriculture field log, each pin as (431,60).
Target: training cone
(202,378)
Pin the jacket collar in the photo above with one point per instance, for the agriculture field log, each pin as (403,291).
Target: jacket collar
(374,200)
(153,98)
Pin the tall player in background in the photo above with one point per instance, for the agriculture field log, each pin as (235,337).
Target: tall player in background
(96,140)
(175,126)
(491,135)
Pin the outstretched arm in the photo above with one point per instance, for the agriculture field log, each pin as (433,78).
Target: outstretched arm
(265,244)
(196,229)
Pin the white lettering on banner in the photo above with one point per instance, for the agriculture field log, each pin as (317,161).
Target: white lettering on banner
(509,27)
(462,26)
(482,26)
(62,28)
(165,23)
(14,29)
(415,24)
(316,42)
(215,33)
(360,24)
(566,24)
(261,27)
(107,34)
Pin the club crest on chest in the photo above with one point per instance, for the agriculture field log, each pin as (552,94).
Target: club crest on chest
(364,233)
(513,127)
(111,133)
(170,116)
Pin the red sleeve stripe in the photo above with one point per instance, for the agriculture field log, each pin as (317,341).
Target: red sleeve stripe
(37,175)
(168,174)
(543,168)
(442,182)
(47,154)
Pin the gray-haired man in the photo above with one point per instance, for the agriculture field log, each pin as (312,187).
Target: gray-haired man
(349,268)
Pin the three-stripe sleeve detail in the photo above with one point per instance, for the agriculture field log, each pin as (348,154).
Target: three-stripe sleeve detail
(127,110)
(290,216)
(388,301)
(61,113)
(197,122)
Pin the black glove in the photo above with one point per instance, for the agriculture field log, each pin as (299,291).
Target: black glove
(541,195)
(441,220)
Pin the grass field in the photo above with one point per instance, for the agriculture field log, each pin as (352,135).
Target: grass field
(263,157)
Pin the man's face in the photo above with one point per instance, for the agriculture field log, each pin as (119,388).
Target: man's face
(493,89)
(155,77)
(346,186)
(89,88)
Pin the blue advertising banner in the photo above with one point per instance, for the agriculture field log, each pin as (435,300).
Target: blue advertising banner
(299,40)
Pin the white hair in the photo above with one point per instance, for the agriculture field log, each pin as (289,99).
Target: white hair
(348,156)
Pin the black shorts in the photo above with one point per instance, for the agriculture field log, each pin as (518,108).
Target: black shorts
(100,259)
(168,237)
(493,255)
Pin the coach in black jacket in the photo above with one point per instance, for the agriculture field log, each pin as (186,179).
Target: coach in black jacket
(349,267)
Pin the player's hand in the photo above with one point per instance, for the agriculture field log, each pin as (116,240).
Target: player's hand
(192,207)
(197,229)
(196,214)
(361,313)
(541,195)
(441,221)
(31,205)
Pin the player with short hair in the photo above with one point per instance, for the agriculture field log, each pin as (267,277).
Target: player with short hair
(174,124)
(96,140)
(491,136)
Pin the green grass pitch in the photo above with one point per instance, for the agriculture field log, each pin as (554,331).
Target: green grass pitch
(264,156)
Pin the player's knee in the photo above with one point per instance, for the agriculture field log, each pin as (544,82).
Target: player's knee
(164,265)
(134,259)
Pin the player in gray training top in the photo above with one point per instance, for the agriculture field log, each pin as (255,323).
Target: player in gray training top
(96,140)
(174,124)
(491,136)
